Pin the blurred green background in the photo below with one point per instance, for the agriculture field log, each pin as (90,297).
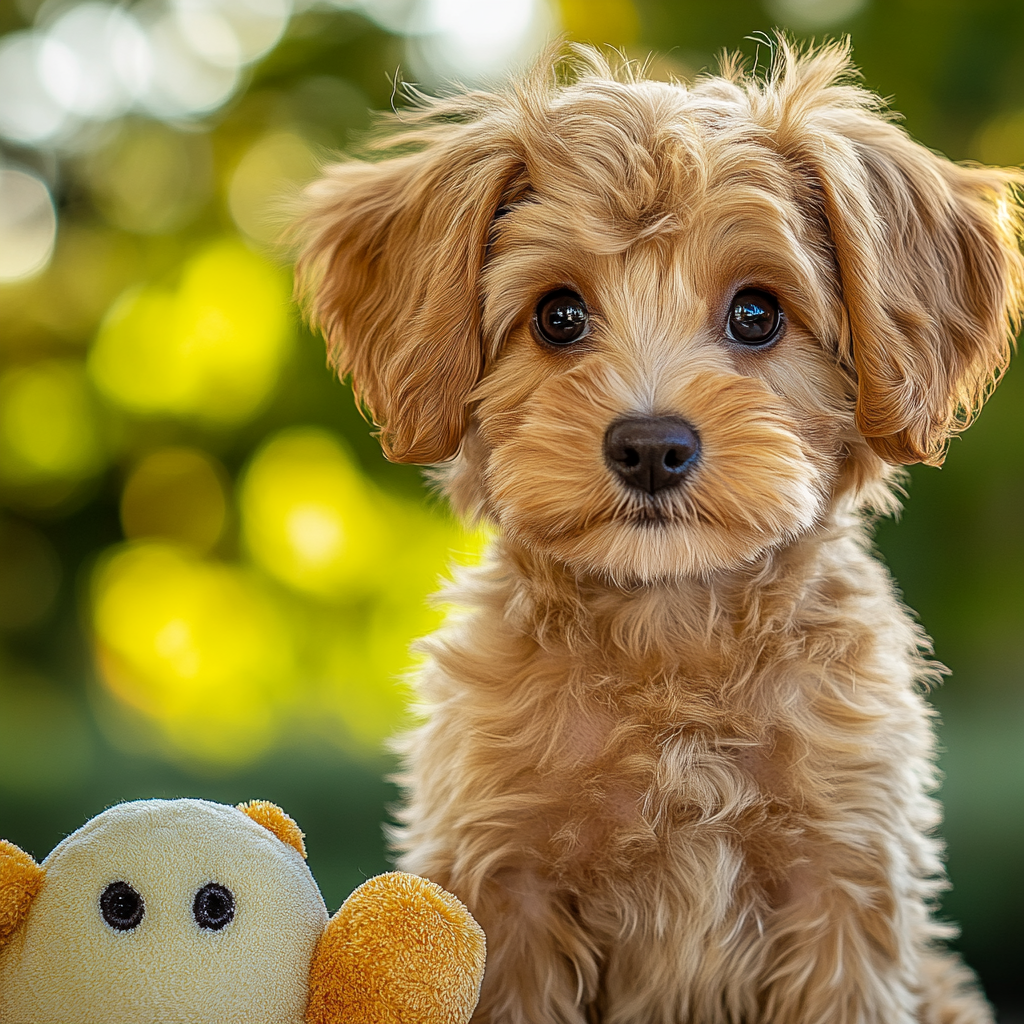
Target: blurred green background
(208,573)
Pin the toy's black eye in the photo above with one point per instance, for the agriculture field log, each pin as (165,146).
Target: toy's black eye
(122,907)
(754,317)
(214,907)
(562,317)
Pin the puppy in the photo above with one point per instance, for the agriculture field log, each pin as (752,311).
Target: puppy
(674,343)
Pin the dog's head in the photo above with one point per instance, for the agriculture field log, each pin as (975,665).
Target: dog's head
(658,330)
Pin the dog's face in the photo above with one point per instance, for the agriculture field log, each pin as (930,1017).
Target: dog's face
(668,403)
(662,330)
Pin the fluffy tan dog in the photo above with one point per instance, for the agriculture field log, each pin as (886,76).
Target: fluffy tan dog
(674,343)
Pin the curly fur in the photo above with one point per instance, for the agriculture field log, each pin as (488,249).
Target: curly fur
(675,757)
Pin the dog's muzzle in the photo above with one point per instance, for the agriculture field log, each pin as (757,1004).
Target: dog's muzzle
(651,453)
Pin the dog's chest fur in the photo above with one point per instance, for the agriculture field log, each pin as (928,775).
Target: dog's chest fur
(681,725)
(638,770)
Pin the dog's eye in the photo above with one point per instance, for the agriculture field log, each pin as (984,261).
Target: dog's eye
(754,317)
(562,317)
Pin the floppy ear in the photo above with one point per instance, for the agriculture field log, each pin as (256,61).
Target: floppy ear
(928,257)
(388,271)
(21,878)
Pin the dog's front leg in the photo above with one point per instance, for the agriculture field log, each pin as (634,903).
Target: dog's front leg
(861,952)
(541,966)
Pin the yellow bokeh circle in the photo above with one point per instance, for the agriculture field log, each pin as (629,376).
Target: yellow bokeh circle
(49,429)
(197,646)
(211,349)
(310,519)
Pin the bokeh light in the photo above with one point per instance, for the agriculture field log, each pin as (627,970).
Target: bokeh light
(28,224)
(49,426)
(95,61)
(469,41)
(151,179)
(29,114)
(1000,140)
(266,175)
(231,32)
(179,494)
(357,700)
(601,22)
(197,646)
(310,519)
(92,60)
(211,349)
(56,311)
(181,82)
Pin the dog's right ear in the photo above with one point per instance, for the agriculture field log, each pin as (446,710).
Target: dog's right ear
(390,258)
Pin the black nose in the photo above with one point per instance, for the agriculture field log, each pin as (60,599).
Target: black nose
(651,453)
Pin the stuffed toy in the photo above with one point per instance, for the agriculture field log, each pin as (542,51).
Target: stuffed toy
(190,911)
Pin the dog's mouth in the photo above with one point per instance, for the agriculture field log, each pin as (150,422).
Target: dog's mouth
(685,508)
(651,513)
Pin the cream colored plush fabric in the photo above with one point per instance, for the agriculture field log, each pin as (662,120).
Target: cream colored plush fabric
(67,964)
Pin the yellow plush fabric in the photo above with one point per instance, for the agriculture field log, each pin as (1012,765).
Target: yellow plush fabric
(401,950)
(69,963)
(272,818)
(21,878)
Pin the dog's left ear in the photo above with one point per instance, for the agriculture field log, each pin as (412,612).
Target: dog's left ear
(928,253)
(391,254)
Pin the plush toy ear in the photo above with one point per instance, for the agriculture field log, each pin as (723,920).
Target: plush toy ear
(391,253)
(400,949)
(21,878)
(272,818)
(928,256)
